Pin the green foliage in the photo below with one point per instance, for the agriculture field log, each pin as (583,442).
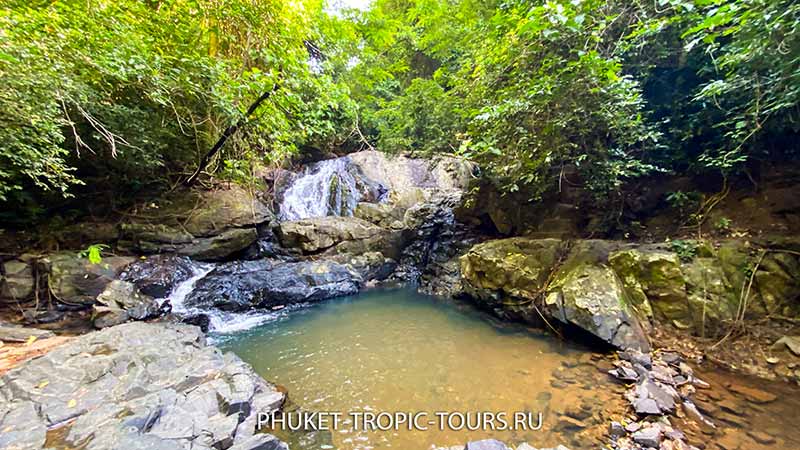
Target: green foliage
(685,249)
(755,49)
(522,88)
(94,253)
(135,91)
(723,224)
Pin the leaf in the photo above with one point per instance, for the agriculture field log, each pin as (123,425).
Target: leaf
(72,403)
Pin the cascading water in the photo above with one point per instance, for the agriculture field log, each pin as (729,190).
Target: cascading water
(220,322)
(328,188)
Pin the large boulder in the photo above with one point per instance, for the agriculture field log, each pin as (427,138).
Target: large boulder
(399,173)
(243,285)
(522,278)
(322,233)
(75,280)
(137,385)
(654,282)
(122,301)
(16,281)
(206,225)
(158,275)
(592,298)
(515,267)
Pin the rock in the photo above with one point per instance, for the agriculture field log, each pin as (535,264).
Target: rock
(158,275)
(121,301)
(260,442)
(616,430)
(486,444)
(400,173)
(199,320)
(17,282)
(752,394)
(381,214)
(321,233)
(205,225)
(242,285)
(136,385)
(21,426)
(647,389)
(761,437)
(790,342)
(566,423)
(653,280)
(646,406)
(22,334)
(636,357)
(648,437)
(510,274)
(591,297)
(220,246)
(514,267)
(74,280)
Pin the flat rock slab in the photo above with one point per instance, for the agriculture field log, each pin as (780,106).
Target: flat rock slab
(22,334)
(751,394)
(136,385)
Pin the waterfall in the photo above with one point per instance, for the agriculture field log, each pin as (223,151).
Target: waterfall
(328,188)
(220,322)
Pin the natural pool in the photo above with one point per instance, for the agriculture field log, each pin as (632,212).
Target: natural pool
(396,350)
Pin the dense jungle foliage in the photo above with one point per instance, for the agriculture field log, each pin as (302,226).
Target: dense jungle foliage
(127,96)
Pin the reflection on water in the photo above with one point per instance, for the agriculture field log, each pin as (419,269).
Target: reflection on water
(401,351)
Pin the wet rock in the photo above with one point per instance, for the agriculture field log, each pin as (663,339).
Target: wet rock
(243,285)
(566,423)
(16,282)
(486,444)
(201,321)
(158,275)
(136,385)
(321,233)
(75,280)
(761,437)
(122,301)
(616,430)
(10,333)
(648,437)
(752,394)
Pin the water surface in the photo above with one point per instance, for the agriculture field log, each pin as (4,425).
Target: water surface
(401,351)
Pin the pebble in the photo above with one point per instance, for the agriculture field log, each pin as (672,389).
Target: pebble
(648,437)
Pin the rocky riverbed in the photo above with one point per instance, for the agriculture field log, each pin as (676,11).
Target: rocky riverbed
(341,226)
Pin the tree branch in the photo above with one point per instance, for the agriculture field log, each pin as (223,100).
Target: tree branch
(230,131)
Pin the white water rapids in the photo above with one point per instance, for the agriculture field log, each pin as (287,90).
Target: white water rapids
(328,188)
(220,322)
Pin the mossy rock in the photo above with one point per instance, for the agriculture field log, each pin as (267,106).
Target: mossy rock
(654,282)
(516,267)
(712,299)
(592,297)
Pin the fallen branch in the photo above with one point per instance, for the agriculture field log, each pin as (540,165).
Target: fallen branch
(230,131)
